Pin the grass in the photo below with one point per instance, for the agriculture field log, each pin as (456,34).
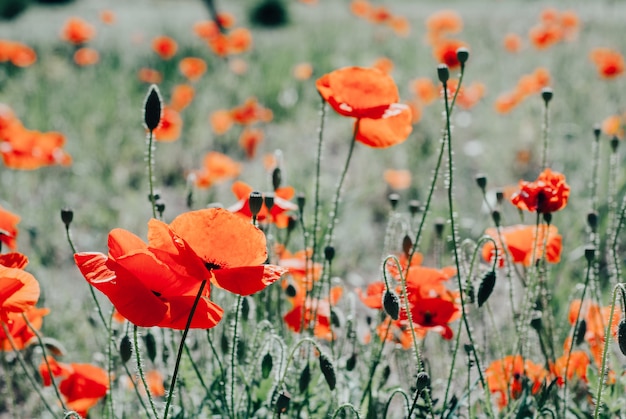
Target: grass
(99,111)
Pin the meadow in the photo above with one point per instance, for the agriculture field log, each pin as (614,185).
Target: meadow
(374,209)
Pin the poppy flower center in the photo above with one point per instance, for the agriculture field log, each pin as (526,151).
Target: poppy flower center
(210,266)
(428,318)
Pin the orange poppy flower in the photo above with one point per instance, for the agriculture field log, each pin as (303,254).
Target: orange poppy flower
(107,17)
(548,193)
(397,179)
(192,67)
(578,364)
(314,311)
(371,96)
(82,385)
(165,46)
(238,66)
(505,376)
(149,75)
(154,379)
(384,64)
(182,96)
(302,71)
(217,167)
(544,36)
(442,23)
(469,95)
(596,319)
(8,228)
(379,15)
(609,63)
(221,121)
(86,56)
(360,8)
(77,31)
(231,247)
(445,52)
(506,102)
(22,55)
(19,291)
(170,125)
(520,240)
(278,214)
(300,267)
(373,297)
(249,140)
(613,126)
(250,112)
(400,26)
(416,110)
(206,29)
(21,333)
(152,284)
(239,40)
(28,150)
(570,23)
(512,42)
(425,90)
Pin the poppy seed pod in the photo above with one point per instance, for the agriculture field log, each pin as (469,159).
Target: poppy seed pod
(393,198)
(597,131)
(328,370)
(443,73)
(414,206)
(152,108)
(391,304)
(621,336)
(256,202)
(590,253)
(269,201)
(462,54)
(481,181)
(546,94)
(329,253)
(486,287)
(67,215)
(126,349)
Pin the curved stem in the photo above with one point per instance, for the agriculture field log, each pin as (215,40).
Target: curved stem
(346,406)
(180,349)
(393,393)
(142,376)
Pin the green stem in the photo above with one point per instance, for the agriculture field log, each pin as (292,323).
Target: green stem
(345,406)
(545,134)
(150,169)
(142,376)
(180,350)
(374,365)
(233,357)
(393,393)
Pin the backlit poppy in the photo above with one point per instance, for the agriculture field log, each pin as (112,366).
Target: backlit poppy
(86,56)
(300,267)
(21,333)
(182,96)
(548,193)
(609,63)
(613,126)
(192,67)
(77,31)
(312,312)
(505,377)
(249,140)
(278,214)
(170,126)
(165,46)
(522,241)
(152,284)
(445,50)
(8,228)
(578,364)
(217,167)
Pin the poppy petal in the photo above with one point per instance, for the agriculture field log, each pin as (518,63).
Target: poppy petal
(122,242)
(386,132)
(247,280)
(19,290)
(207,314)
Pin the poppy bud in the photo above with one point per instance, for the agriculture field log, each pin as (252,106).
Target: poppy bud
(152,108)
(393,200)
(590,253)
(256,203)
(439,224)
(407,245)
(391,304)
(305,378)
(592,220)
(385,374)
(414,206)
(486,287)
(536,322)
(328,371)
(597,131)
(67,215)
(245,308)
(351,362)
(266,365)
(282,404)
(156,196)
(150,346)
(334,318)
(292,223)
(546,94)
(547,216)
(462,54)
(580,333)
(269,201)
(160,207)
(422,382)
(495,215)
(443,73)
(290,291)
(468,347)
(126,349)
(621,336)
(481,181)
(277,178)
(329,253)
(614,144)
(301,200)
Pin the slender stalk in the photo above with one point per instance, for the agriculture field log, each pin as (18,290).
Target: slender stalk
(150,170)
(346,406)
(180,350)
(393,393)
(142,376)
(545,134)
(374,365)
(233,357)
(22,363)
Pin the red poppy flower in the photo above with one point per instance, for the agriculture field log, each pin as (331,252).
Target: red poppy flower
(19,291)
(20,332)
(372,97)
(299,266)
(544,36)
(249,140)
(107,17)
(442,23)
(313,310)
(8,228)
(397,179)
(279,211)
(170,125)
(86,57)
(182,95)
(77,31)
(520,240)
(192,67)
(609,63)
(548,193)
(152,284)
(434,313)
(165,46)
(250,112)
(512,42)
(82,385)
(149,75)
(445,50)
(13,260)
(504,377)
(22,55)
(578,364)
(217,167)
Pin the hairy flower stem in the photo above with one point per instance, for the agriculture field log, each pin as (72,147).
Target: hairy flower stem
(450,187)
(545,134)
(233,356)
(20,360)
(346,406)
(367,393)
(180,350)
(575,332)
(221,367)
(607,340)
(142,376)
(150,170)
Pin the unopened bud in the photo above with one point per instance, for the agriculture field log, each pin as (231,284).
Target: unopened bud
(277,178)
(621,336)
(329,253)
(590,253)
(268,198)
(391,304)
(597,131)
(422,381)
(546,95)
(592,220)
(328,370)
(496,216)
(580,333)
(282,404)
(439,224)
(67,215)
(301,200)
(150,346)
(126,349)
(407,245)
(305,378)
(266,365)
(152,108)
(290,291)
(499,197)
(485,288)
(351,362)
(443,73)
(414,206)
(256,203)
(614,144)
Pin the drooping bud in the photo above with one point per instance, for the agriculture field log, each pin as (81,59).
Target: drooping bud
(328,370)
(152,108)
(305,378)
(481,181)
(351,362)
(277,178)
(580,333)
(407,245)
(546,95)
(443,73)
(537,322)
(266,365)
(290,291)
(67,215)
(245,308)
(256,203)
(547,216)
(391,304)
(282,404)
(393,198)
(126,349)
(621,336)
(150,346)
(485,288)
(160,207)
